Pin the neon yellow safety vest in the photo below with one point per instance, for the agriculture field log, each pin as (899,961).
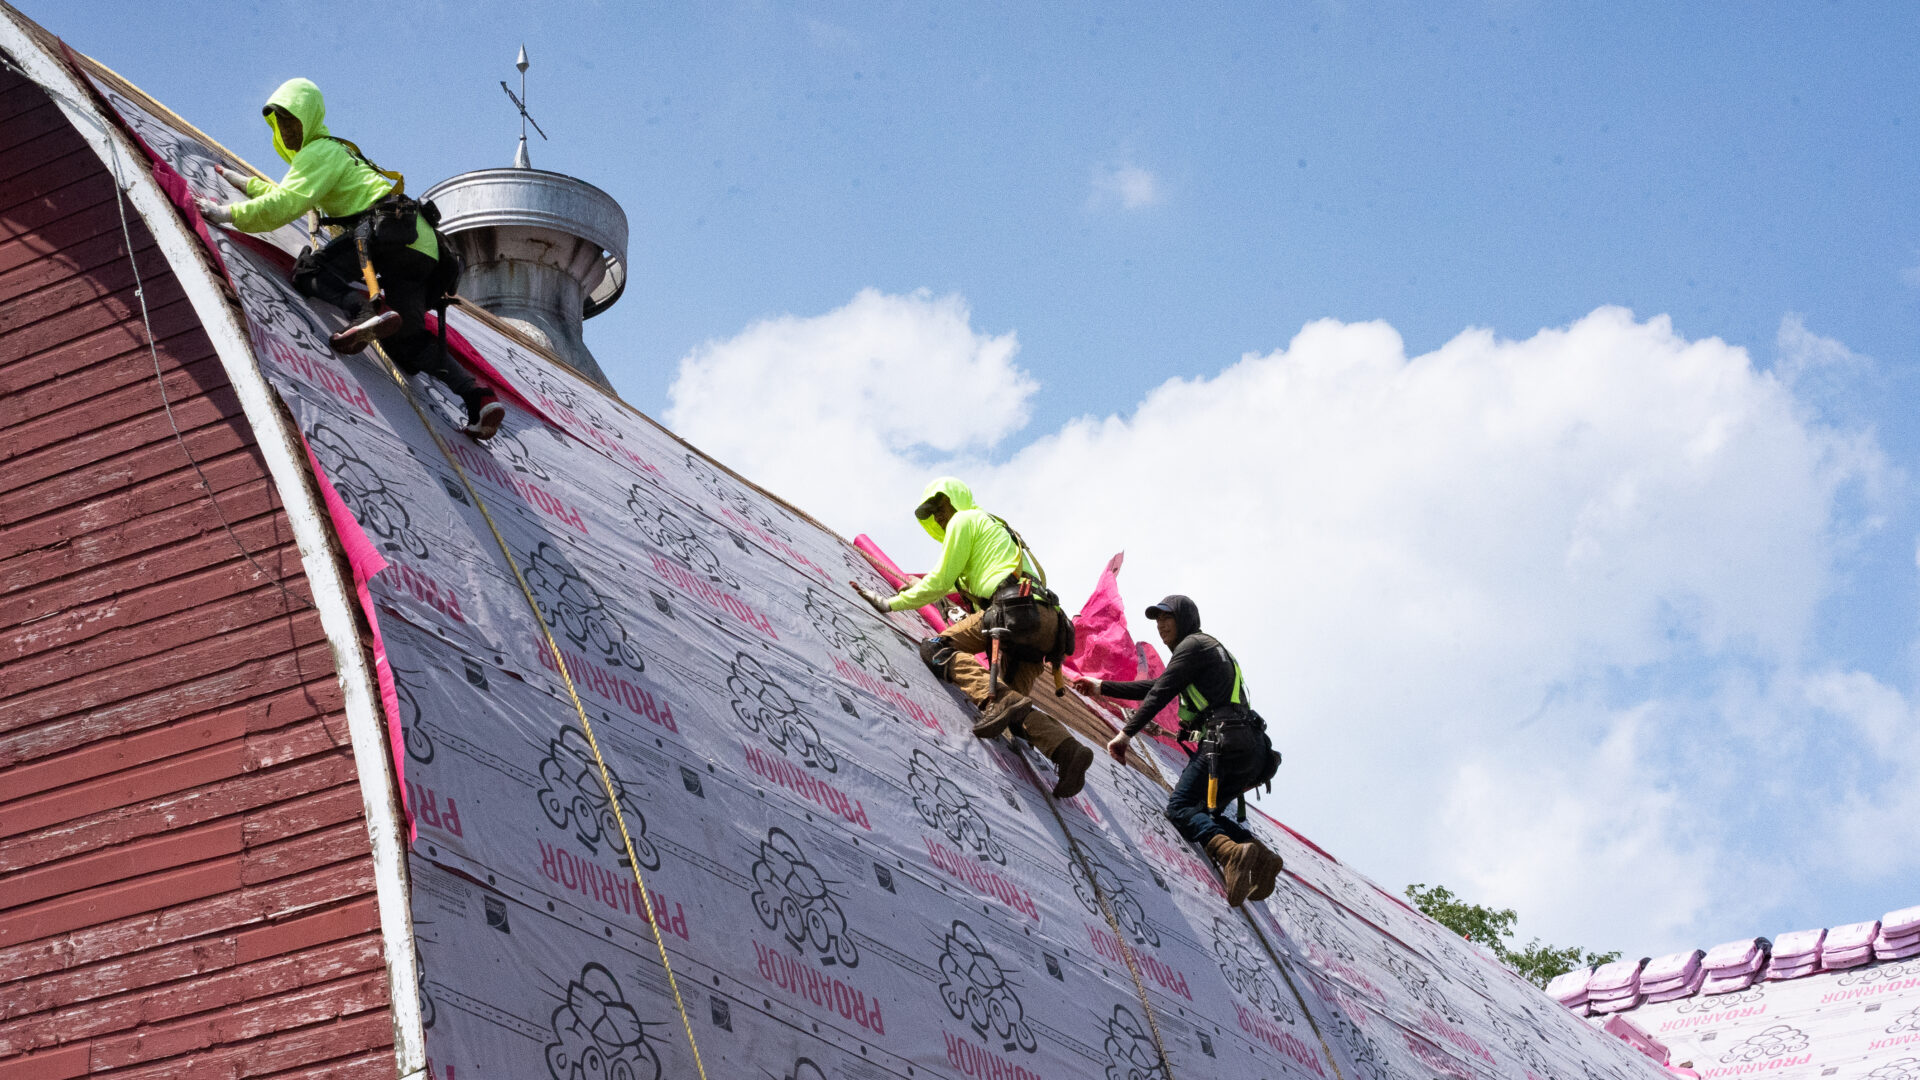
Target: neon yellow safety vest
(1193,704)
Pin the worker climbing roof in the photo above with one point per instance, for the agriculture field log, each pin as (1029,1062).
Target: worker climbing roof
(977,550)
(325,173)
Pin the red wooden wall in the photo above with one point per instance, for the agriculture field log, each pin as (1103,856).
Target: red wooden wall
(185,883)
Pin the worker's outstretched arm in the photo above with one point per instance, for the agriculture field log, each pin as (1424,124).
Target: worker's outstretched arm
(954,551)
(1182,668)
(316,169)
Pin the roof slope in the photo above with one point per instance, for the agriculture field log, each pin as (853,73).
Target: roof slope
(847,883)
(185,883)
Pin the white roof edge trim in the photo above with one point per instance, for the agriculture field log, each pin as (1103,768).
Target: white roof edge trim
(333,597)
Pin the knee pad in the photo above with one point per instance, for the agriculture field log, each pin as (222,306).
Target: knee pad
(937,654)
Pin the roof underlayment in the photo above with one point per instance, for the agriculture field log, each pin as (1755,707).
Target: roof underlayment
(847,884)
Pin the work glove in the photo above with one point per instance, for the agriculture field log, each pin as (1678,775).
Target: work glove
(1117,746)
(232,176)
(878,602)
(215,213)
(1087,686)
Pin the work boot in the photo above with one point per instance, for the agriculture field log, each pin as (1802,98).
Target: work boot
(364,332)
(1002,712)
(484,414)
(1267,865)
(1232,860)
(1072,758)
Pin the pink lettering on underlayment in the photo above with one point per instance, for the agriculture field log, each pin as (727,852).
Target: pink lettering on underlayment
(1283,1042)
(808,986)
(886,692)
(795,779)
(481,464)
(1749,1067)
(610,686)
(982,1064)
(618,892)
(711,595)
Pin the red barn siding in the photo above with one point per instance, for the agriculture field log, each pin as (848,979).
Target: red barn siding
(186,887)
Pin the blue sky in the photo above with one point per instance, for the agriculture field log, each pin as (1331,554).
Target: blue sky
(1138,193)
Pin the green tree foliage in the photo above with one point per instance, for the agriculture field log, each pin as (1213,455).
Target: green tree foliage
(1492,929)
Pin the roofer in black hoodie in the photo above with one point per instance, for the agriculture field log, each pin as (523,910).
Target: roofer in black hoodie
(1234,752)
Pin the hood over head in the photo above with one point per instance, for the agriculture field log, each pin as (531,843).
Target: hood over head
(957,493)
(301,98)
(1186,614)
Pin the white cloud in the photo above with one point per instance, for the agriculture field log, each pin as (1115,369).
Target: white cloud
(1127,186)
(1524,614)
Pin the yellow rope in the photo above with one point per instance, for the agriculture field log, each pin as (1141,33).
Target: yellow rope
(1281,966)
(560,661)
(1119,935)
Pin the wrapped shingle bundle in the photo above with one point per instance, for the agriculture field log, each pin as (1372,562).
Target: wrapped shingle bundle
(1571,989)
(1615,987)
(1796,954)
(1849,946)
(1735,965)
(1673,976)
(1899,936)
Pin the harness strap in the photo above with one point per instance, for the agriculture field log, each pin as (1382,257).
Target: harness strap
(399,181)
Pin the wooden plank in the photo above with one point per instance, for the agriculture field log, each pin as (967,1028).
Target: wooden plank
(141,858)
(55,142)
(345,930)
(300,854)
(49,176)
(67,358)
(58,480)
(263,677)
(352,996)
(150,642)
(186,377)
(188,921)
(174,505)
(17,128)
(94,189)
(107,904)
(133,367)
(68,583)
(301,705)
(58,1064)
(64,825)
(80,626)
(56,325)
(258,645)
(202,986)
(48,240)
(349,1039)
(378,1065)
(80,257)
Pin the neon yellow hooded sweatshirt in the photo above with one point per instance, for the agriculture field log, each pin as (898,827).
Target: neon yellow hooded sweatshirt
(323,174)
(976,551)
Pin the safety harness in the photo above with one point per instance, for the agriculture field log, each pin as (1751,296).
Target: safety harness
(1208,721)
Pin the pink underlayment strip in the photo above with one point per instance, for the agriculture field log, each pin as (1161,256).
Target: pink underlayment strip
(366,561)
(895,577)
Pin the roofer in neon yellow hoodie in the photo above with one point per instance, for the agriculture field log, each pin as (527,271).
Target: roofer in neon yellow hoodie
(994,571)
(332,176)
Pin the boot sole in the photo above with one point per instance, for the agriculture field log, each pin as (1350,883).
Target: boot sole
(1270,871)
(355,338)
(1073,775)
(487,425)
(992,729)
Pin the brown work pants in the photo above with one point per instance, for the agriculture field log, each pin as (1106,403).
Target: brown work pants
(969,637)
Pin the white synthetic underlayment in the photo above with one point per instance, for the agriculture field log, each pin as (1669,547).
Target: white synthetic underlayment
(849,884)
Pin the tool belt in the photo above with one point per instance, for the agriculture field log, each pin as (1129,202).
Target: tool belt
(1227,735)
(1015,606)
(393,221)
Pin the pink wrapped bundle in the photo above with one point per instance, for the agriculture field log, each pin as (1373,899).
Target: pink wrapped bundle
(1850,937)
(1743,956)
(1570,989)
(1601,1008)
(1727,984)
(1611,980)
(1841,959)
(1896,948)
(1796,946)
(1678,990)
(1779,969)
(1902,923)
(1670,971)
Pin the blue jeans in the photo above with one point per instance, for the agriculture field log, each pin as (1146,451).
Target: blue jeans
(1187,805)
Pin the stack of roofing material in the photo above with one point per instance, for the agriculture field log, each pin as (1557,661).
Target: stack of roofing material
(1615,987)
(1899,935)
(1628,1032)
(1571,989)
(1734,966)
(1849,946)
(1674,976)
(1796,954)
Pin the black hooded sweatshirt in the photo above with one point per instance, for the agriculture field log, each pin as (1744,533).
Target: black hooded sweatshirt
(1198,660)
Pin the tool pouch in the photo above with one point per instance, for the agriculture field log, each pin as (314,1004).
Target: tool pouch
(396,221)
(937,654)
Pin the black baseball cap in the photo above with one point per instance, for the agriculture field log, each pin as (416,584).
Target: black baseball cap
(1170,605)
